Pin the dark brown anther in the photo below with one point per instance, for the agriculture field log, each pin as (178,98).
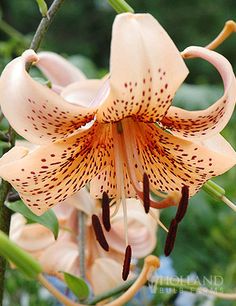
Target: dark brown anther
(183,204)
(97,227)
(146,198)
(106,212)
(170,239)
(127,260)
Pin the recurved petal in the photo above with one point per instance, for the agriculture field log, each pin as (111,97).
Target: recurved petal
(105,274)
(146,70)
(82,93)
(63,256)
(218,144)
(171,162)
(64,211)
(33,238)
(58,70)
(204,123)
(53,172)
(33,110)
(141,230)
(82,201)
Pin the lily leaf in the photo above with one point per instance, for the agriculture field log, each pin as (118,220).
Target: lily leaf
(48,219)
(77,285)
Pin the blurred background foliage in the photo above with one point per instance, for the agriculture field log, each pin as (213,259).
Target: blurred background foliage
(206,242)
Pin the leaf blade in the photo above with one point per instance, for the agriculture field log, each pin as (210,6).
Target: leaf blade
(77,285)
(48,219)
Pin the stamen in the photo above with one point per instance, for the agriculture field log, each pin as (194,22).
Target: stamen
(183,204)
(106,212)
(115,202)
(229,203)
(119,166)
(146,198)
(97,227)
(134,166)
(127,260)
(158,221)
(170,239)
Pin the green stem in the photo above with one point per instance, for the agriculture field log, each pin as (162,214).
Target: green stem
(44,24)
(121,6)
(112,292)
(213,190)
(20,258)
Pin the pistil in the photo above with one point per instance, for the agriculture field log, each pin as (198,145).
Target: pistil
(136,172)
(119,166)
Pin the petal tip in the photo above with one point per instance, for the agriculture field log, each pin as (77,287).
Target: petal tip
(30,56)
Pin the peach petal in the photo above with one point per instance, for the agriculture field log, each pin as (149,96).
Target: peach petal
(141,230)
(203,124)
(52,173)
(146,70)
(40,115)
(58,70)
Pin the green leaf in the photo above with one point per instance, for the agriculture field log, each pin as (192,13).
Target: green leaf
(48,219)
(22,260)
(43,8)
(77,285)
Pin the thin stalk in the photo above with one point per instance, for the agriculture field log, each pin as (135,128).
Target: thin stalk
(44,24)
(81,240)
(121,6)
(114,292)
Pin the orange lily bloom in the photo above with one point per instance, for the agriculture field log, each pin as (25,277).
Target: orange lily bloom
(122,152)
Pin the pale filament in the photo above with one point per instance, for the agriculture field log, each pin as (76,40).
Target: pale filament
(158,221)
(132,149)
(119,166)
(229,203)
(128,150)
(116,201)
(121,144)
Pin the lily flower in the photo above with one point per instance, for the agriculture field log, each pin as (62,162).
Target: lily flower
(111,138)
(63,254)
